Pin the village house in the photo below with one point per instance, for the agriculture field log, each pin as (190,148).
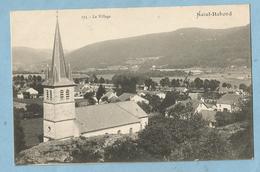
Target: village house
(110,96)
(224,90)
(181,89)
(132,97)
(194,104)
(206,107)
(81,78)
(228,103)
(160,94)
(29,93)
(62,120)
(78,94)
(209,117)
(195,94)
(207,111)
(20,95)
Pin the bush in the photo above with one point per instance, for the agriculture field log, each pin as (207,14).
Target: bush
(157,141)
(122,150)
(225,118)
(90,151)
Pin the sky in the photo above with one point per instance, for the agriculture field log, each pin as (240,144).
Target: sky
(80,27)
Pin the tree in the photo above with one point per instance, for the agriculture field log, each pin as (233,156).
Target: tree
(170,99)
(175,82)
(157,141)
(87,151)
(162,136)
(122,151)
(101,80)
(154,102)
(206,84)
(19,143)
(209,145)
(150,84)
(100,92)
(89,95)
(125,83)
(224,84)
(243,87)
(165,82)
(181,111)
(198,83)
(39,78)
(213,84)
(229,85)
(30,77)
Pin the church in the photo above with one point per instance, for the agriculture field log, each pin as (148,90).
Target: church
(61,120)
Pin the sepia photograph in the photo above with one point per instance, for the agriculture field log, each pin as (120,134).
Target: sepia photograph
(146,84)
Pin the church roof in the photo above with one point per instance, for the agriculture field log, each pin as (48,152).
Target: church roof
(104,116)
(59,74)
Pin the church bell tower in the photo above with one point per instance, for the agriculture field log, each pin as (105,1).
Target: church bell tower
(58,104)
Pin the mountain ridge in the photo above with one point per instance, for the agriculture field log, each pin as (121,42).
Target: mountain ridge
(186,47)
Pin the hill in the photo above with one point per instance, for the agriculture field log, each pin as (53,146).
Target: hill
(183,48)
(190,47)
(29,59)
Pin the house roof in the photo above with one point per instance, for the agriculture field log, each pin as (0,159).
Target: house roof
(78,88)
(103,116)
(125,96)
(150,92)
(208,115)
(110,95)
(196,91)
(228,99)
(209,105)
(29,90)
(194,103)
(181,89)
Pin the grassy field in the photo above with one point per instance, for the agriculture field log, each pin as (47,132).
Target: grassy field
(33,128)
(29,101)
(234,77)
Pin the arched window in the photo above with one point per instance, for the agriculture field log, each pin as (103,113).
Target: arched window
(47,94)
(131,131)
(50,94)
(67,94)
(61,94)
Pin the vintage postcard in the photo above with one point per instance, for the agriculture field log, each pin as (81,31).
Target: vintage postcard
(132,84)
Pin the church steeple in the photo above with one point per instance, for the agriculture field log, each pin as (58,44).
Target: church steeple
(59,73)
(58,91)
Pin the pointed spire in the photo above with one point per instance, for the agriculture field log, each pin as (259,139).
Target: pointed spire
(69,72)
(59,69)
(47,73)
